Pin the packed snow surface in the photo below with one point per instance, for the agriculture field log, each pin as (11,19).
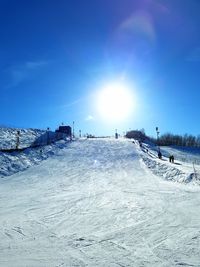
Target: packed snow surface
(185,169)
(12,162)
(95,203)
(183,154)
(33,148)
(8,137)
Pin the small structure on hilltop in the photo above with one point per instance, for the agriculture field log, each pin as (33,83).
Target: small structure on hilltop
(138,135)
(116,134)
(90,136)
(65,130)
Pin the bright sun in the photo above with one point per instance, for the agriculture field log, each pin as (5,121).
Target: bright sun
(114,102)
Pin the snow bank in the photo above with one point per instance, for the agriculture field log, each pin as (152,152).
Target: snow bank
(27,137)
(169,173)
(18,161)
(177,172)
(184,154)
(12,162)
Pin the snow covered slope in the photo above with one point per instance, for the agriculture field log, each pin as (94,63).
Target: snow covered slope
(15,161)
(96,204)
(186,171)
(27,137)
(184,154)
(20,160)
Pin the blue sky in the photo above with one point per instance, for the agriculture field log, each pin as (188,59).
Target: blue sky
(55,56)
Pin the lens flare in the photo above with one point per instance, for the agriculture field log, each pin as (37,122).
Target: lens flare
(114,102)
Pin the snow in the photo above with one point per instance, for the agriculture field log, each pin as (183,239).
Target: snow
(27,137)
(12,162)
(185,171)
(96,203)
(184,154)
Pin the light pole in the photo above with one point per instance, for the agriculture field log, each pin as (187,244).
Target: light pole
(48,139)
(17,141)
(116,134)
(157,132)
(73,130)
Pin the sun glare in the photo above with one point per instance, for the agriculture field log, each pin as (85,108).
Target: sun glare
(114,102)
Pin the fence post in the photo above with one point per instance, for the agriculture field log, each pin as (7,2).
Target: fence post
(48,141)
(195,173)
(17,140)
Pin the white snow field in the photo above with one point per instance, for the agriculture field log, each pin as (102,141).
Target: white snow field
(95,203)
(27,137)
(15,161)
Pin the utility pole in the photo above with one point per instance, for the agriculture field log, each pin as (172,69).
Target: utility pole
(17,140)
(48,141)
(116,134)
(73,130)
(157,132)
(79,133)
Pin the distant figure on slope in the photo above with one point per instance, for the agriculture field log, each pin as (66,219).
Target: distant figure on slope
(171,158)
(159,154)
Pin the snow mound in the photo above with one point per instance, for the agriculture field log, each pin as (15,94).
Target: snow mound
(20,160)
(27,137)
(14,161)
(177,172)
(170,173)
(184,154)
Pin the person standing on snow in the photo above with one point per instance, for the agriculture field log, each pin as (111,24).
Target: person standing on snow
(171,158)
(159,155)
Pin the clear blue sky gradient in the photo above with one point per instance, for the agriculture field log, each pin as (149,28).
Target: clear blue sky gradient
(54,55)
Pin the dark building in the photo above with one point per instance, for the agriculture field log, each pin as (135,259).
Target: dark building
(65,129)
(136,134)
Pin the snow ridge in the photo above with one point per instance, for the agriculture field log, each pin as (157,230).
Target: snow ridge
(168,171)
(33,148)
(27,137)
(18,161)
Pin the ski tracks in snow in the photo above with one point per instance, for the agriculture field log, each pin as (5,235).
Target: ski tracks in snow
(96,204)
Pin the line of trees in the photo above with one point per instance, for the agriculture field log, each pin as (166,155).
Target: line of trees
(179,140)
(167,139)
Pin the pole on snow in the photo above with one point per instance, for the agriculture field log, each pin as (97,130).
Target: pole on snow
(116,134)
(17,140)
(157,132)
(73,130)
(48,140)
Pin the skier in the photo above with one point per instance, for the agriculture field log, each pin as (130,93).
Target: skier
(171,158)
(159,155)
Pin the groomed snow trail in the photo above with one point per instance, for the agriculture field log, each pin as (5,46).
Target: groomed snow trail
(95,204)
